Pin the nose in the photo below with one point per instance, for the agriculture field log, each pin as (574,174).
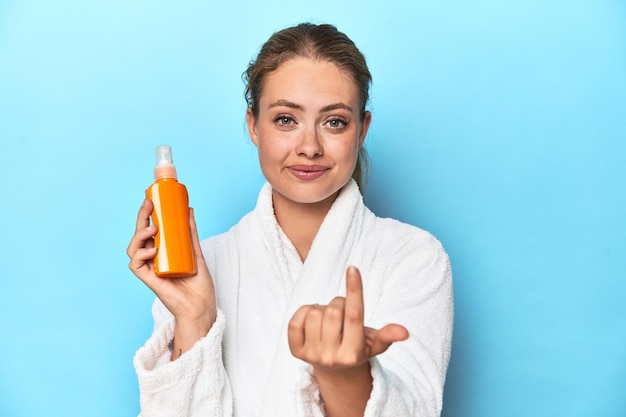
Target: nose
(310,144)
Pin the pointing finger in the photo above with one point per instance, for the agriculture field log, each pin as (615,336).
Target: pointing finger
(353,314)
(143,217)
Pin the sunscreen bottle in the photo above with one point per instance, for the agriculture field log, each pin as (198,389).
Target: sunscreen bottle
(175,257)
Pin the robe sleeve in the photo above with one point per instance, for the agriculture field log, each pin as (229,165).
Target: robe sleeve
(408,378)
(196,384)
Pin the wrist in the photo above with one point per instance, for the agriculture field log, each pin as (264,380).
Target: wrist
(344,391)
(343,375)
(188,332)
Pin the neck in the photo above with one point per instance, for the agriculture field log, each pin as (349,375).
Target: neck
(301,221)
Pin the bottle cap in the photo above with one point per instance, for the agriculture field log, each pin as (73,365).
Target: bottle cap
(164,163)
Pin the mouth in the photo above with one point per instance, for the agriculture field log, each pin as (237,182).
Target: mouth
(307,172)
(307,168)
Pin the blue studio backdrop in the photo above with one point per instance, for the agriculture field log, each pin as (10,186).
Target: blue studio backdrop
(500,127)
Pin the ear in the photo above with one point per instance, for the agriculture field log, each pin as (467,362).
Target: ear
(251,122)
(365,125)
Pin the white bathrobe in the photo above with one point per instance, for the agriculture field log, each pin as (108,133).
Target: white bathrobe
(244,368)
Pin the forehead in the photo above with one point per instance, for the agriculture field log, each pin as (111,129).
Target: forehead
(310,83)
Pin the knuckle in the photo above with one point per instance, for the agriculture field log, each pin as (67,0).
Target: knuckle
(354,316)
(315,313)
(350,357)
(294,325)
(327,359)
(338,301)
(333,312)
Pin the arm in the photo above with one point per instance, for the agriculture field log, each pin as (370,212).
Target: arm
(196,384)
(191,300)
(409,378)
(413,287)
(180,368)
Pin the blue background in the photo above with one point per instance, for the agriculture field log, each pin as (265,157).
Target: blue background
(498,126)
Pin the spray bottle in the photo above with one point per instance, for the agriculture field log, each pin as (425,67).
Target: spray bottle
(175,257)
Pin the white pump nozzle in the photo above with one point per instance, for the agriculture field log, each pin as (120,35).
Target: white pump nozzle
(164,163)
(164,155)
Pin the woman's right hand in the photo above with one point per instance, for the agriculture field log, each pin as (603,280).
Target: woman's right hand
(191,300)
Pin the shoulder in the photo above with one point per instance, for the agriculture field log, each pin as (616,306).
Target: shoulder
(405,252)
(398,237)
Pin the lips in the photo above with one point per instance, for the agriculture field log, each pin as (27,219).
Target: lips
(307,172)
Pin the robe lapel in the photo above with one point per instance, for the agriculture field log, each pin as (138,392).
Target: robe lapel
(321,278)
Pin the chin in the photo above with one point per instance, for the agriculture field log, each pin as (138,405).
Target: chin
(308,193)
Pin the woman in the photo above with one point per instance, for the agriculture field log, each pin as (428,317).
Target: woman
(273,324)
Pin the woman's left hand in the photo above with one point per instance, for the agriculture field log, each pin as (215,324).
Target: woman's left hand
(333,337)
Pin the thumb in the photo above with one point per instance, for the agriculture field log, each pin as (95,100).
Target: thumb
(378,341)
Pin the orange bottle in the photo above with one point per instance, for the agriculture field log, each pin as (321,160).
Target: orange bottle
(174,258)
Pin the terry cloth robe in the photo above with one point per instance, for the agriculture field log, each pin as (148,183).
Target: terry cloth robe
(243,367)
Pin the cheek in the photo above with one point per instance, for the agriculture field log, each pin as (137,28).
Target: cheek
(271,149)
(349,149)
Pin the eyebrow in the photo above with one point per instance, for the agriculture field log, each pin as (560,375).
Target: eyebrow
(330,107)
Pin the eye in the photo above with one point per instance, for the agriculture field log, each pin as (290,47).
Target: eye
(337,122)
(284,120)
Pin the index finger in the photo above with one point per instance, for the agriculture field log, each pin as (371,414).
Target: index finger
(143,217)
(353,327)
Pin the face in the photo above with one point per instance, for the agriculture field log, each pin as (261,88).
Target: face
(308,131)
